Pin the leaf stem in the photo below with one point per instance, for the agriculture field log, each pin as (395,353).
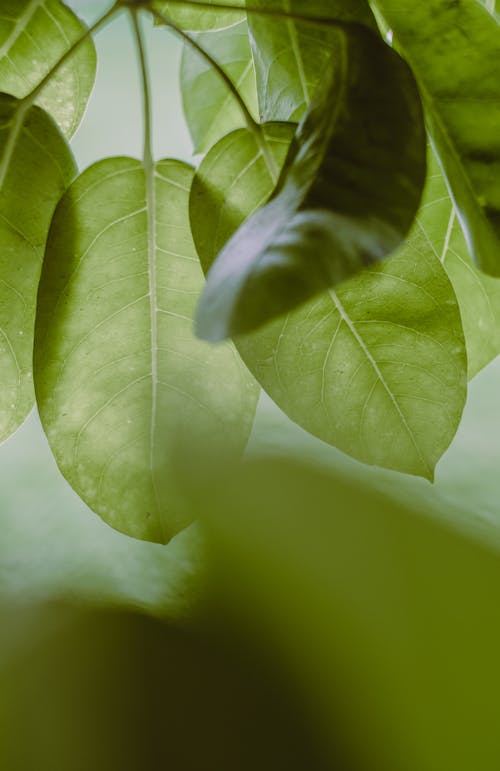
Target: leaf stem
(277,13)
(30,98)
(254,127)
(149,174)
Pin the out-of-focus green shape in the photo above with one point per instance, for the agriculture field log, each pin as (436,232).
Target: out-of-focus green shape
(115,691)
(211,110)
(129,399)
(346,199)
(376,368)
(34,35)
(454,51)
(389,620)
(36,166)
(437,232)
(199,18)
(291,56)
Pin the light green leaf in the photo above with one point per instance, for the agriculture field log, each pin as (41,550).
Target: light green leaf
(36,166)
(129,399)
(34,35)
(378,368)
(454,50)
(210,109)
(343,204)
(192,18)
(438,232)
(291,56)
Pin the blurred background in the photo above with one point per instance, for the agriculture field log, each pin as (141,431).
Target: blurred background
(385,656)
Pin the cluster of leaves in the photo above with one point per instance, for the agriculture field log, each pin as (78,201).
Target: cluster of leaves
(325,149)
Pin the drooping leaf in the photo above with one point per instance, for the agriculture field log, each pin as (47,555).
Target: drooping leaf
(378,368)
(454,50)
(34,35)
(210,109)
(36,166)
(193,18)
(352,187)
(291,56)
(438,232)
(127,396)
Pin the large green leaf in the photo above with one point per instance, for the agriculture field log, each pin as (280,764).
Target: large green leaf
(36,166)
(377,368)
(345,201)
(291,56)
(199,18)
(438,232)
(131,402)
(34,35)
(454,50)
(211,110)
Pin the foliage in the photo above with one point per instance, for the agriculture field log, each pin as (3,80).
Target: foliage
(344,272)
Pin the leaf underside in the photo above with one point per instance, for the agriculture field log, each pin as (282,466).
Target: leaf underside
(377,368)
(36,166)
(34,35)
(130,401)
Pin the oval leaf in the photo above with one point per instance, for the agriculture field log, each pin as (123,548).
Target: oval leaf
(348,198)
(377,368)
(291,56)
(454,50)
(36,166)
(437,232)
(34,35)
(210,109)
(127,396)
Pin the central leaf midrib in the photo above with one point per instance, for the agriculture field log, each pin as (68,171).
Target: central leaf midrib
(350,325)
(149,169)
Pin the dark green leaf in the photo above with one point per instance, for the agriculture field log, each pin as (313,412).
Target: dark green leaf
(129,398)
(352,188)
(454,50)
(36,166)
(34,35)
(291,56)
(211,110)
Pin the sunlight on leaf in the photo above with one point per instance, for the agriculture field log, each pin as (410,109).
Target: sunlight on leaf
(36,166)
(378,368)
(129,399)
(211,111)
(34,34)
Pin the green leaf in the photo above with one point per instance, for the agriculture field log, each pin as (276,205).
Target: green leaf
(34,35)
(291,56)
(454,50)
(130,401)
(210,109)
(345,201)
(36,166)
(438,232)
(193,18)
(377,368)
